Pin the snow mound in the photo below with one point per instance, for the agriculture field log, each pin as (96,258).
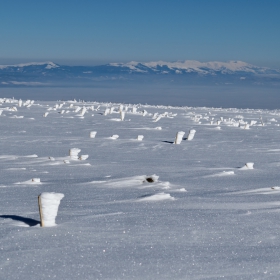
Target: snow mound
(247,166)
(158,197)
(221,174)
(130,182)
(34,181)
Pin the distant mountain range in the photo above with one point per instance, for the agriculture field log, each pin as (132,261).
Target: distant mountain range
(183,72)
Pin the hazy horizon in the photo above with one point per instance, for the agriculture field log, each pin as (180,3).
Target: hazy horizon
(253,97)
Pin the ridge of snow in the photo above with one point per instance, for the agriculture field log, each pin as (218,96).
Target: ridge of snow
(177,67)
(195,66)
(131,65)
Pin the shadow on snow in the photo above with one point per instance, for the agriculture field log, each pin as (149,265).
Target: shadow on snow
(28,221)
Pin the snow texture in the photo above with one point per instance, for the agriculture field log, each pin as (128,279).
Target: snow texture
(139,209)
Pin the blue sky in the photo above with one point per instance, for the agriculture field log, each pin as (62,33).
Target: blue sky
(90,32)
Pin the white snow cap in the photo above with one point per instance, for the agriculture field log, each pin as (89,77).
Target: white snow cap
(74,151)
(49,207)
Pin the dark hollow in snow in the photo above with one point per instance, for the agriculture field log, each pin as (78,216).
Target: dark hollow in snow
(149,179)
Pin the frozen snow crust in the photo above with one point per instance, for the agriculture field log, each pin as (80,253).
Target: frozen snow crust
(204,209)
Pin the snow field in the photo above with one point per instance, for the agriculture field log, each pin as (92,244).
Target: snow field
(139,209)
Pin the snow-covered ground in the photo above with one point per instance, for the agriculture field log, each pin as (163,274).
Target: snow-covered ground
(139,209)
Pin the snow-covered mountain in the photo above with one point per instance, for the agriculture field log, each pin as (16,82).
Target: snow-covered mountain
(193,66)
(46,65)
(190,71)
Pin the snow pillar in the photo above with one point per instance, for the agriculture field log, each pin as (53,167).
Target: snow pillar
(92,134)
(48,207)
(122,114)
(179,137)
(74,152)
(250,165)
(191,134)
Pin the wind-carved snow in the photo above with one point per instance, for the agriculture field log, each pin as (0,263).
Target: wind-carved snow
(157,197)
(269,191)
(136,205)
(33,181)
(141,181)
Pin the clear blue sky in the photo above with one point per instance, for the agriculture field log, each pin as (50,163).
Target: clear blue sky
(91,32)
